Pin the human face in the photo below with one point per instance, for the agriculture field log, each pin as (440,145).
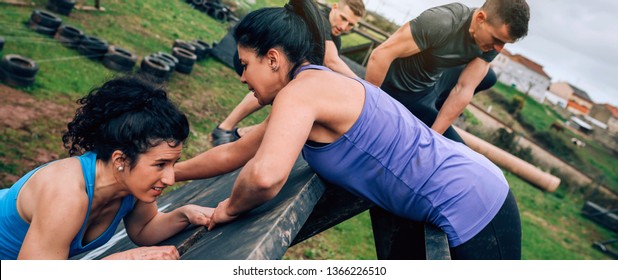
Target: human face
(490,36)
(153,172)
(258,74)
(342,19)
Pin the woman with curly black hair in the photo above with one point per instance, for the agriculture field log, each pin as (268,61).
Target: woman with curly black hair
(129,135)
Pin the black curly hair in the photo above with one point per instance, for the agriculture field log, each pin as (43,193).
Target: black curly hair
(129,113)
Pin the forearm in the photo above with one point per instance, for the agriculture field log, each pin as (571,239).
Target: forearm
(211,163)
(339,66)
(161,227)
(453,106)
(252,189)
(246,107)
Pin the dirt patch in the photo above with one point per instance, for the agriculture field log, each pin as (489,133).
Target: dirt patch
(18,109)
(20,113)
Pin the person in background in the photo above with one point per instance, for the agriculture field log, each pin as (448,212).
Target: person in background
(129,135)
(354,136)
(342,17)
(435,63)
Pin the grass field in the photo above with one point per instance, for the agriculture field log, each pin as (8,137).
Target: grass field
(552,225)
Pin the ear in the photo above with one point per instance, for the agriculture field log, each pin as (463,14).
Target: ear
(118,159)
(481,16)
(274,57)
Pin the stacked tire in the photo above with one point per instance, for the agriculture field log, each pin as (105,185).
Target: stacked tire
(44,22)
(69,36)
(62,7)
(93,47)
(156,68)
(18,71)
(119,59)
(185,53)
(213,8)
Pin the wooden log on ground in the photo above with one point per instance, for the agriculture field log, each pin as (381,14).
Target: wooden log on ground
(513,164)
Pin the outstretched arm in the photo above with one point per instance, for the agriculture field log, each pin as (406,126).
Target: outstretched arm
(147,226)
(265,174)
(400,44)
(221,159)
(333,61)
(461,95)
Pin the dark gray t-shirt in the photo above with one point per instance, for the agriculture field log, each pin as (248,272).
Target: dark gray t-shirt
(328,36)
(442,35)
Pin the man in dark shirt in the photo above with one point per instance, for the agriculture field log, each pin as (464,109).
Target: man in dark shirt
(435,63)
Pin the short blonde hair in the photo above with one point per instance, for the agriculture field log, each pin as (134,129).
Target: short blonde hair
(356,6)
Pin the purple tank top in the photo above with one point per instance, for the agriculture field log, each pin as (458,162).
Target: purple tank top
(391,158)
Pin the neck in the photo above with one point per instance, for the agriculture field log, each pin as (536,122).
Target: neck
(107,186)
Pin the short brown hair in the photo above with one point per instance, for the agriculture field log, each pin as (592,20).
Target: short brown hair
(357,6)
(514,13)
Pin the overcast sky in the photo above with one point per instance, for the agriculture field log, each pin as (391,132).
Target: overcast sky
(575,41)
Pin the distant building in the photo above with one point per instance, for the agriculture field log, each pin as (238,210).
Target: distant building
(577,101)
(521,73)
(607,114)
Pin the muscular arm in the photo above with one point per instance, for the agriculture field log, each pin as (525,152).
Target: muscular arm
(400,44)
(461,95)
(221,159)
(265,174)
(333,61)
(146,226)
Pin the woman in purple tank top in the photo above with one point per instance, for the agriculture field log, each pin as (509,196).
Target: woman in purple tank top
(355,136)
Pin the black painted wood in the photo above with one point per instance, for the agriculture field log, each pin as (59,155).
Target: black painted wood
(335,206)
(436,244)
(397,238)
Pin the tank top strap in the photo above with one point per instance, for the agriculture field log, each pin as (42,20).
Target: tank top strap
(310,66)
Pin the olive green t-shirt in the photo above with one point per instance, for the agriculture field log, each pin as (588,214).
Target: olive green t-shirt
(442,35)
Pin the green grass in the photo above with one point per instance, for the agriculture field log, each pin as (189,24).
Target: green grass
(593,160)
(553,228)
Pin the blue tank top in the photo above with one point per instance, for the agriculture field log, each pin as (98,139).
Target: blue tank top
(393,159)
(13,228)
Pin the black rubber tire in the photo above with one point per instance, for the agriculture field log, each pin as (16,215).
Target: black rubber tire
(185,69)
(155,67)
(69,36)
(45,19)
(200,50)
(112,65)
(14,80)
(41,29)
(121,56)
(171,63)
(93,47)
(184,44)
(184,56)
(169,56)
(69,31)
(19,66)
(220,15)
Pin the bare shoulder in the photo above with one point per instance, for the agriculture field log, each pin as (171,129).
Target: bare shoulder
(60,183)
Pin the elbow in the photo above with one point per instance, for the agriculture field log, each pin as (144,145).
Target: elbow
(266,182)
